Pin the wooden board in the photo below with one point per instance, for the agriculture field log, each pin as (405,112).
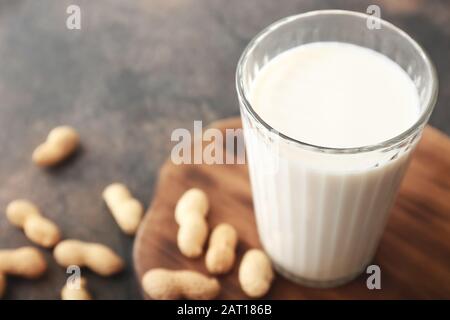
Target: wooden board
(414,254)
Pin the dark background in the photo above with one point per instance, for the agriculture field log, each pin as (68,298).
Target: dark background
(136,71)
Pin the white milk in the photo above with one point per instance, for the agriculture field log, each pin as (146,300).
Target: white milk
(320,215)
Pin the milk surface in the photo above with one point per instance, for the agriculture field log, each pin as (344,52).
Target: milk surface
(335,95)
(320,216)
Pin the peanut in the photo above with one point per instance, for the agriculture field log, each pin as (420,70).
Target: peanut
(192,200)
(25,262)
(222,246)
(25,215)
(97,257)
(255,273)
(126,210)
(2,284)
(163,284)
(60,144)
(71,292)
(190,214)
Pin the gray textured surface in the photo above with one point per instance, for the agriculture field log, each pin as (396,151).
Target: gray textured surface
(136,71)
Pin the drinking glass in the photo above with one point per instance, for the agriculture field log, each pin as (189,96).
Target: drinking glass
(321,211)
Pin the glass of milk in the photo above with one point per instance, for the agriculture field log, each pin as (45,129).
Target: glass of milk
(333,103)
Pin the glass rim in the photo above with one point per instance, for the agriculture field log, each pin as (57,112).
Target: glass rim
(429,103)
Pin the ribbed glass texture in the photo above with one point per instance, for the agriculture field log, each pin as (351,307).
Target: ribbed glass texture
(321,211)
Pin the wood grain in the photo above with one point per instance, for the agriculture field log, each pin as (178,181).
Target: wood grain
(414,254)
